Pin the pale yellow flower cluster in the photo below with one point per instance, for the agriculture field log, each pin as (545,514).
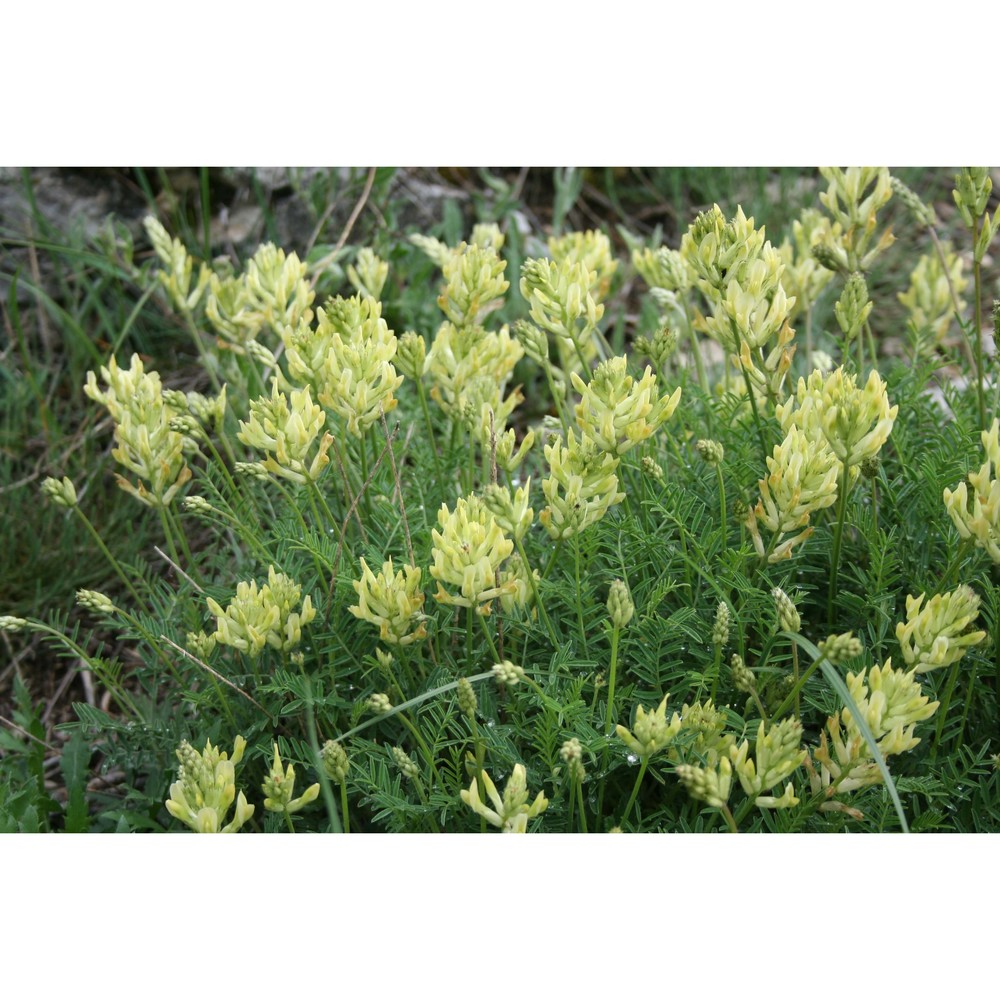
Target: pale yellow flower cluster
(801,480)
(937,634)
(511,813)
(804,277)
(651,731)
(593,250)
(178,268)
(739,272)
(929,302)
(777,753)
(368,274)
(288,429)
(392,601)
(206,788)
(616,411)
(853,198)
(347,360)
(279,788)
(145,443)
(892,703)
(580,487)
(467,555)
(561,302)
(830,424)
(981,523)
(269,616)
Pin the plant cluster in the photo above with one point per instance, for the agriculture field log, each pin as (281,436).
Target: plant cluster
(697,629)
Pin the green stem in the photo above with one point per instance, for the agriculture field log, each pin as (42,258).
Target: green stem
(168,535)
(699,361)
(425,749)
(552,559)
(968,703)
(288,822)
(366,499)
(730,822)
(489,638)
(837,538)
(955,564)
(534,590)
(978,332)
(722,503)
(430,430)
(753,398)
(115,565)
(345,816)
(609,716)
(716,671)
(579,598)
(795,677)
(943,710)
(635,788)
(583,811)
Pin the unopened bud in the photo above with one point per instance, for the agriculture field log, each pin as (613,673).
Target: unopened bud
(711,452)
(839,648)
(720,630)
(411,355)
(379,704)
(788,615)
(620,605)
(508,673)
(335,761)
(60,492)
(405,763)
(467,701)
(95,601)
(652,468)
(743,679)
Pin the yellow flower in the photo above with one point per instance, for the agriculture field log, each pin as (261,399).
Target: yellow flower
(467,554)
(288,434)
(982,522)
(617,412)
(146,444)
(206,787)
(651,731)
(581,485)
(937,634)
(279,787)
(802,479)
(265,617)
(511,813)
(392,601)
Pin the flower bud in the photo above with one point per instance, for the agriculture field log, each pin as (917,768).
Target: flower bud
(652,468)
(9,623)
(839,648)
(405,763)
(62,493)
(508,673)
(335,761)
(743,678)
(620,605)
(411,355)
(467,701)
(379,704)
(720,629)
(197,505)
(711,452)
(93,600)
(788,615)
